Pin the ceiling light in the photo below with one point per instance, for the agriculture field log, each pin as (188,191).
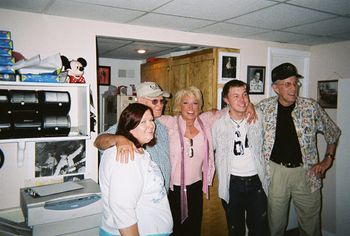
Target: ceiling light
(141,51)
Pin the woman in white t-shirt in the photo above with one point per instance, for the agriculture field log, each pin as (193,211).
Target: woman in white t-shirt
(134,197)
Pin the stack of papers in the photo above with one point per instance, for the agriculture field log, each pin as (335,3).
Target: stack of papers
(36,69)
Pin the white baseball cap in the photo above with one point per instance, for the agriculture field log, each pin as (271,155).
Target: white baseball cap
(150,90)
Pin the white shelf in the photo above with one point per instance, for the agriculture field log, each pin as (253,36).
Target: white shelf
(45,139)
(79,112)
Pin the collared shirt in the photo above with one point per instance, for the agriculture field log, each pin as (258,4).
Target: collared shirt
(159,152)
(223,135)
(309,119)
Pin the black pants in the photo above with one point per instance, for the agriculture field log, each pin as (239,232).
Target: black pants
(192,225)
(247,205)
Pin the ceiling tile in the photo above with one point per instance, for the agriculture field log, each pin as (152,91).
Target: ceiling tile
(109,44)
(277,36)
(212,10)
(170,22)
(25,5)
(228,29)
(324,28)
(140,5)
(280,16)
(338,6)
(69,8)
(314,40)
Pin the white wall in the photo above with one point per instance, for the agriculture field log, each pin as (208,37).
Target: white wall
(41,34)
(133,66)
(325,60)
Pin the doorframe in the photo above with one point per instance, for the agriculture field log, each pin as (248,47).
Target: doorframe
(303,56)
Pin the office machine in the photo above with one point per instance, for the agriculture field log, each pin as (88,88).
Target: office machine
(62,208)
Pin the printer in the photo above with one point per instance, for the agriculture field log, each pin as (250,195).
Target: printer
(63,208)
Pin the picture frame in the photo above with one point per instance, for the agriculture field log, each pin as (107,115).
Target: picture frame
(228,66)
(256,79)
(60,158)
(104,75)
(327,93)
(220,100)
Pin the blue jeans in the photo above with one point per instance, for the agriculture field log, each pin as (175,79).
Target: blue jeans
(247,205)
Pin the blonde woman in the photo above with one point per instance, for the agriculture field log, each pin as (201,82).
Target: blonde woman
(192,159)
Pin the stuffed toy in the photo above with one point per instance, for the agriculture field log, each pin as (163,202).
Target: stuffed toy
(75,69)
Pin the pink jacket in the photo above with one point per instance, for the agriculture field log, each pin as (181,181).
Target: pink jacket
(208,119)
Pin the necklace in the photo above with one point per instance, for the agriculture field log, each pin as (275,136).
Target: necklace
(237,123)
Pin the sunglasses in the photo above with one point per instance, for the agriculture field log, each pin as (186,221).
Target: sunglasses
(190,151)
(156,101)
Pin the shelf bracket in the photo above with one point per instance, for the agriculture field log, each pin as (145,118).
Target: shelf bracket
(20,153)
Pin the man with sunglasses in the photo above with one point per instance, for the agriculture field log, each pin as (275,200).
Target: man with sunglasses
(290,126)
(151,95)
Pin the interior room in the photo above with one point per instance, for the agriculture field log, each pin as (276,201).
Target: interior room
(314,35)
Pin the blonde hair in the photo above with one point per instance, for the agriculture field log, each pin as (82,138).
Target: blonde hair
(189,91)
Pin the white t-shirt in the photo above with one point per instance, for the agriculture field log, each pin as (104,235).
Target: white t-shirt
(241,160)
(133,193)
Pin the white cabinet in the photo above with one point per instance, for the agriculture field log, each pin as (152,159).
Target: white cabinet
(79,111)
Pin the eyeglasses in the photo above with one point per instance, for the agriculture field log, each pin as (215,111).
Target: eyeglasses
(190,150)
(288,85)
(156,101)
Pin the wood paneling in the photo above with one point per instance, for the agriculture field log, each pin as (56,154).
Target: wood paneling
(214,220)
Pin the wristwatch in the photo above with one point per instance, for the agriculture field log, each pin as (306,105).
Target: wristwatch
(329,155)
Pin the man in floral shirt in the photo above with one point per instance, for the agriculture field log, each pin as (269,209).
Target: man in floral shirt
(290,125)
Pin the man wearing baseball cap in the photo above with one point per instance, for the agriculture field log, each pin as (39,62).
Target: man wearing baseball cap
(290,149)
(151,95)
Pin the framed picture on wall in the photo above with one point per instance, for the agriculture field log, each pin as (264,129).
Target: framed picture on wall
(256,79)
(60,158)
(228,67)
(327,93)
(220,103)
(104,75)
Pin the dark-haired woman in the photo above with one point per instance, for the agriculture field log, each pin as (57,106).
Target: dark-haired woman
(134,197)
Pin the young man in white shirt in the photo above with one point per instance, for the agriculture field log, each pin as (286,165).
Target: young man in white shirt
(239,164)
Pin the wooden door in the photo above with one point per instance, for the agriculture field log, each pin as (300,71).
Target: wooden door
(202,75)
(178,78)
(158,72)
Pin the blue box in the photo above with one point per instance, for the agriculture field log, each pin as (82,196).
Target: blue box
(6,70)
(7,77)
(41,78)
(7,61)
(6,43)
(5,34)
(5,51)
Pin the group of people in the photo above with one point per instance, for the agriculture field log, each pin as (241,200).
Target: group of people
(155,167)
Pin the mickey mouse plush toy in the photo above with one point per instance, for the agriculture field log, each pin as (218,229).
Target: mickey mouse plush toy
(75,69)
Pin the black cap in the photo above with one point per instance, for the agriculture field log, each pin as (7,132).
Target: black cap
(284,71)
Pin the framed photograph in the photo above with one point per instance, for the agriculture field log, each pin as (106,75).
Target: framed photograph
(228,67)
(256,79)
(327,93)
(104,75)
(220,103)
(60,158)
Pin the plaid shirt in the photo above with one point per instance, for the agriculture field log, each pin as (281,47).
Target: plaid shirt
(309,119)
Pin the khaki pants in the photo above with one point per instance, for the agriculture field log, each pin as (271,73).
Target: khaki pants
(286,184)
